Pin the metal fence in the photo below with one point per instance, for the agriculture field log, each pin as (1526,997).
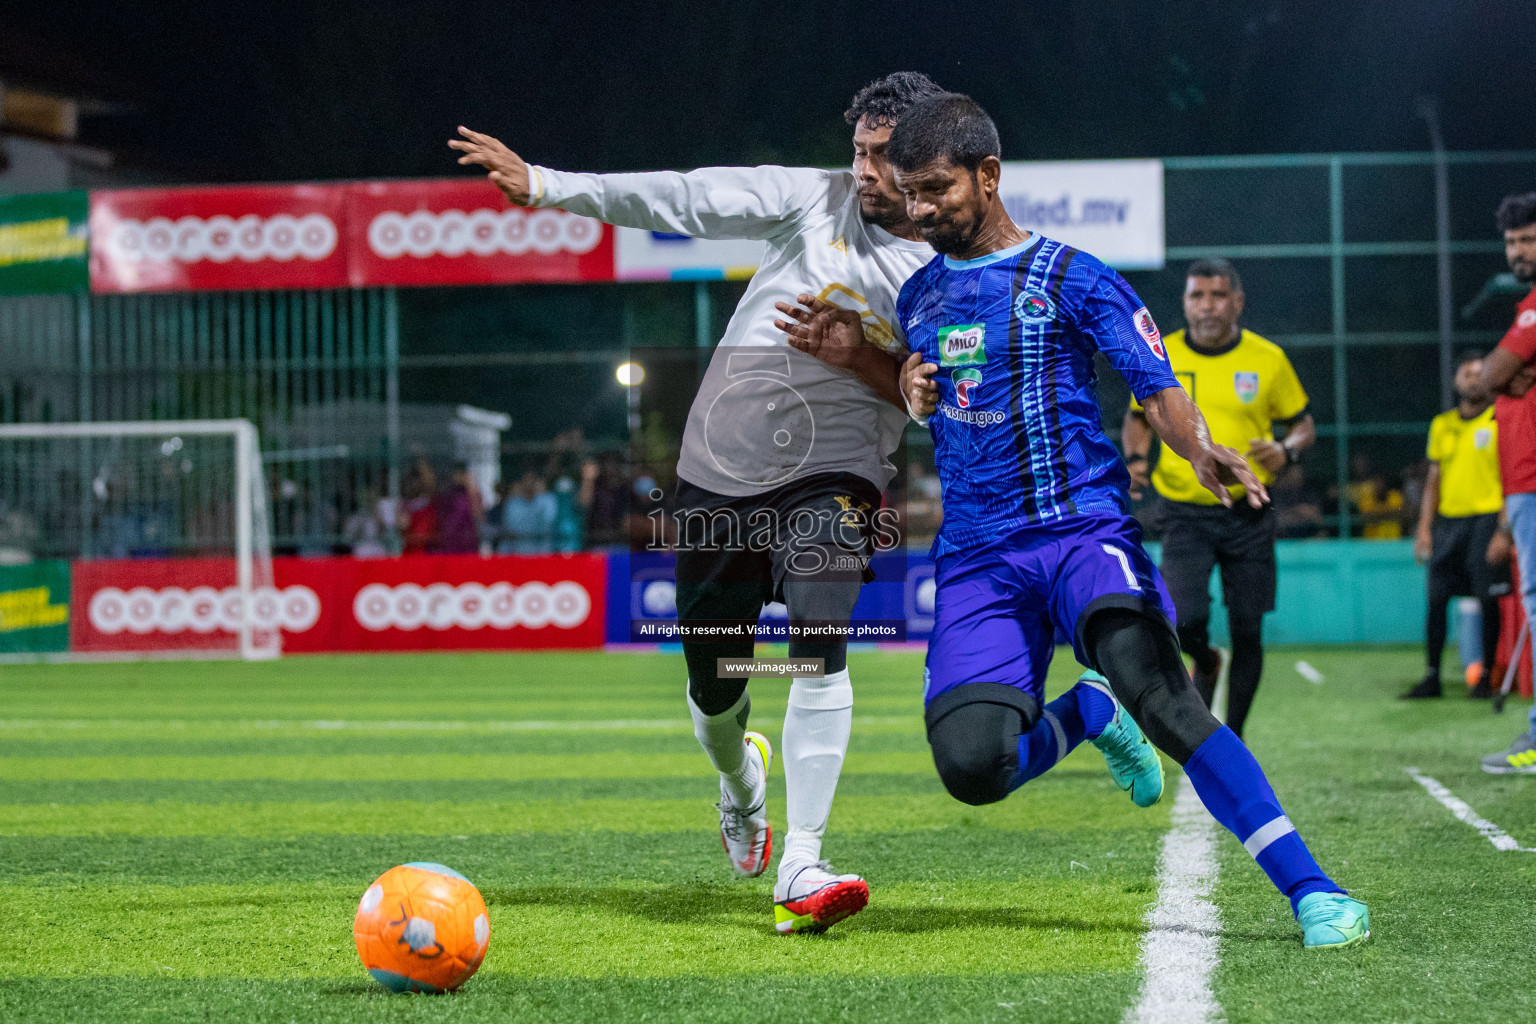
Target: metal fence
(1345,271)
(1342,256)
(308,368)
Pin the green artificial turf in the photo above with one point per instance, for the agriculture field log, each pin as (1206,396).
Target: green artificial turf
(187,842)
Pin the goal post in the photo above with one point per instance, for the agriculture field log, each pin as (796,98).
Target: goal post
(185,499)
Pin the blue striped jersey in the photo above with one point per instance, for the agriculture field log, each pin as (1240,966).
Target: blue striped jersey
(1018,437)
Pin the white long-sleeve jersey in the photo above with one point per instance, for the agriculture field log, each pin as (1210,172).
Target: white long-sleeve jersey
(766,414)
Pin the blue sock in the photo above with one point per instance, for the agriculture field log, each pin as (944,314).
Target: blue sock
(1080,713)
(1233,788)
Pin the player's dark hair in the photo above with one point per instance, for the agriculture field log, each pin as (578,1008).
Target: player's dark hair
(881,103)
(1517,211)
(1215,266)
(948,126)
(1469,355)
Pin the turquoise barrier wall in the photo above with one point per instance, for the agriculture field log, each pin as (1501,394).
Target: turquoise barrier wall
(1339,592)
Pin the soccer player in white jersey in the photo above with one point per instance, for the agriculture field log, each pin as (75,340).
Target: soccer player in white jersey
(779,438)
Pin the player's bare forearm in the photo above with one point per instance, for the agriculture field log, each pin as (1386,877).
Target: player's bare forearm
(1431,500)
(1302,434)
(1136,440)
(1505,374)
(1177,420)
(1135,435)
(881,372)
(1181,427)
(836,337)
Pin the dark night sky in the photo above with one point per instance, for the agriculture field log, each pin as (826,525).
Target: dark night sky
(344,88)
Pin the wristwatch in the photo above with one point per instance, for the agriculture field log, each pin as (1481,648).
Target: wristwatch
(1131,460)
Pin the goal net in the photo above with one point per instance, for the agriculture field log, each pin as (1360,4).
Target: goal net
(166,521)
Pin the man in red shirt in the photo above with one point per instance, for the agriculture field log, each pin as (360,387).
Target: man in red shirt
(1509,371)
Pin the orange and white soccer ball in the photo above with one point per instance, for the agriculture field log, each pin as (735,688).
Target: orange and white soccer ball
(421,927)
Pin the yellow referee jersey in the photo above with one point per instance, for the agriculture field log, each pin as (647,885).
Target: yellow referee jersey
(1468,454)
(1241,390)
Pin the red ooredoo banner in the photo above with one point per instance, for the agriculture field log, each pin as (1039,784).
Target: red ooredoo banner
(424,603)
(198,239)
(464,232)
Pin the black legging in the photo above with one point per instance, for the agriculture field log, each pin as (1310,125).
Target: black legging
(1140,658)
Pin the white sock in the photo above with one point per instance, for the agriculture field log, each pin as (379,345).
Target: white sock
(816,727)
(721,736)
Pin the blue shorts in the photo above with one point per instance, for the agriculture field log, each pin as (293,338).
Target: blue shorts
(998,609)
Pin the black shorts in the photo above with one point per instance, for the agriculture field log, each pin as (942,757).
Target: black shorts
(1240,539)
(734,554)
(1459,562)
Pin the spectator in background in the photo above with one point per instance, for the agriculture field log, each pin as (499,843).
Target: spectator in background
(1509,372)
(1298,508)
(364,530)
(651,527)
(1457,522)
(571,503)
(420,512)
(609,506)
(1378,503)
(528,517)
(567,456)
(458,514)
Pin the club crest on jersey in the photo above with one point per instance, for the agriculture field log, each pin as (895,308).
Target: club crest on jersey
(1482,438)
(963,345)
(1034,307)
(1527,318)
(1247,385)
(1147,328)
(967,381)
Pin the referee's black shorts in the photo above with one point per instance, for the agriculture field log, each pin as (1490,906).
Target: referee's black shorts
(1240,539)
(1459,565)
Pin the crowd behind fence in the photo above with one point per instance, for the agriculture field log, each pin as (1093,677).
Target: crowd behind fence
(1339,252)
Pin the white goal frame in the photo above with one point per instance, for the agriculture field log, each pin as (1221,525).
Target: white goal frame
(253,537)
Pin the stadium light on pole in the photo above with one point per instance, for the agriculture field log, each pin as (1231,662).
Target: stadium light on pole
(632,375)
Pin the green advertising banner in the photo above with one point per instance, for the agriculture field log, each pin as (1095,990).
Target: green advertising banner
(34,607)
(44,243)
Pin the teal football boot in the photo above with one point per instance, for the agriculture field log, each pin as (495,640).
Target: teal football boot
(1332,920)
(1133,762)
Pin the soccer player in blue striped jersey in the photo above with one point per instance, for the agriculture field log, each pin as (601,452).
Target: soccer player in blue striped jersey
(1037,538)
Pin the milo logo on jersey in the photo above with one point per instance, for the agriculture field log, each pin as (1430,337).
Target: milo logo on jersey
(963,345)
(966,382)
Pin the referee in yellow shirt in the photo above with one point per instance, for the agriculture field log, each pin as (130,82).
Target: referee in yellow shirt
(1458,534)
(1244,385)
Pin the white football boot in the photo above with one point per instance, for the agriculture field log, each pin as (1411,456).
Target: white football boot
(744,832)
(812,899)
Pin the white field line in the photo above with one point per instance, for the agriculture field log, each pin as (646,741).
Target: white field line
(1500,839)
(1307,672)
(423,725)
(1181,947)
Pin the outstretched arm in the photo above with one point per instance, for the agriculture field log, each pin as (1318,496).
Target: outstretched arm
(1179,423)
(711,202)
